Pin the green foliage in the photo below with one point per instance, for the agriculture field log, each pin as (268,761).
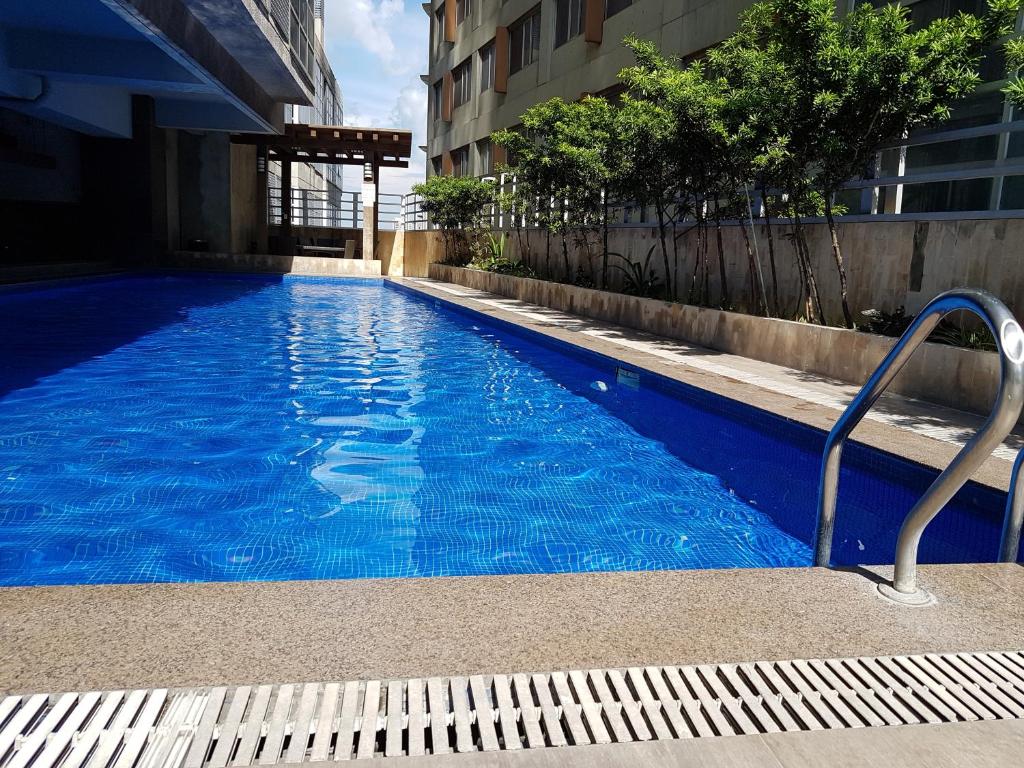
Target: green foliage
(491,258)
(639,279)
(562,158)
(455,202)
(455,205)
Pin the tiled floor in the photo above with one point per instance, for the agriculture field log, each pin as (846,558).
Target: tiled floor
(934,421)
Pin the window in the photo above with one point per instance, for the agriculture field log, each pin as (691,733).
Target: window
(463,10)
(462,83)
(439,28)
(614,6)
(487,62)
(524,41)
(436,165)
(460,161)
(568,20)
(437,94)
(485,157)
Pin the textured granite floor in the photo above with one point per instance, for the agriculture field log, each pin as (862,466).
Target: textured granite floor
(82,638)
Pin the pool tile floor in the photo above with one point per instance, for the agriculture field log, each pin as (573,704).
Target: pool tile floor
(818,398)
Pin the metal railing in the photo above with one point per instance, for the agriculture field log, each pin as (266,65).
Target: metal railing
(1010,344)
(871,199)
(338,210)
(1013,521)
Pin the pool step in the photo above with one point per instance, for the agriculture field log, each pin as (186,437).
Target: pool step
(280,724)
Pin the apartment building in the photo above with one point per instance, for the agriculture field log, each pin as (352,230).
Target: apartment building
(490,60)
(324,180)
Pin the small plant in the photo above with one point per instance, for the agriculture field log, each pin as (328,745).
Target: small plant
(887,323)
(956,334)
(489,256)
(638,279)
(583,278)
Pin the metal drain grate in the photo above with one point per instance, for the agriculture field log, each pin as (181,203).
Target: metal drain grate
(271,725)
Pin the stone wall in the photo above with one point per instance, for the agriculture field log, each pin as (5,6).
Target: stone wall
(269,263)
(889,263)
(960,378)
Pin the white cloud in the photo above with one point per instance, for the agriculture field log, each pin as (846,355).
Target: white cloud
(377,49)
(382,28)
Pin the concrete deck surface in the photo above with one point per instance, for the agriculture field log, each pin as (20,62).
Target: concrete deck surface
(963,745)
(140,636)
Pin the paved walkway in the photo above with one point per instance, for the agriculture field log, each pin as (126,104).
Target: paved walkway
(915,417)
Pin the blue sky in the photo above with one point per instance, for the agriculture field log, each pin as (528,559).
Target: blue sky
(378,49)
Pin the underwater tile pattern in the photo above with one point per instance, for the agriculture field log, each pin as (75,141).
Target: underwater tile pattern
(197,428)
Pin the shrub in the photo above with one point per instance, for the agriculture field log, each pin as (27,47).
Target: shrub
(455,205)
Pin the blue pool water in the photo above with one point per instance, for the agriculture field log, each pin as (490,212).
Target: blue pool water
(184,428)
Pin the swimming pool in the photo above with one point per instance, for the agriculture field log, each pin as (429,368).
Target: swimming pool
(201,428)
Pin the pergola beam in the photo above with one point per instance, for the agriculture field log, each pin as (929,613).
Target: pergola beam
(372,148)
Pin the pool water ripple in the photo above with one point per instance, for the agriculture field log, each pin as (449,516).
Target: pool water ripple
(190,428)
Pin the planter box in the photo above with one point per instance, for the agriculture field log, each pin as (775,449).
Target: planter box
(959,378)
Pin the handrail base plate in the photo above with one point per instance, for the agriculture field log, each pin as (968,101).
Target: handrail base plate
(919,598)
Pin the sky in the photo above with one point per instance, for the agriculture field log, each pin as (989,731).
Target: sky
(378,49)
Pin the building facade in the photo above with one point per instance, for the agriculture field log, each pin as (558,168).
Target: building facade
(317,188)
(116,119)
(490,61)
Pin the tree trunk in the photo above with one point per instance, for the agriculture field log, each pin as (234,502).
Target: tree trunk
(814,303)
(565,259)
(604,234)
(726,301)
(771,252)
(670,292)
(755,286)
(838,255)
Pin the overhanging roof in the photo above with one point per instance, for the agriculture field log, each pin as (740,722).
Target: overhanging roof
(337,144)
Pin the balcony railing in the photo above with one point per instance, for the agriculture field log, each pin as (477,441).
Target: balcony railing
(337,210)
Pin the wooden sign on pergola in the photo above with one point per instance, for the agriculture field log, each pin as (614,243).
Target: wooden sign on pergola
(372,148)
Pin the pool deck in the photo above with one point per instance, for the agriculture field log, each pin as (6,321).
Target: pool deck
(175,635)
(151,635)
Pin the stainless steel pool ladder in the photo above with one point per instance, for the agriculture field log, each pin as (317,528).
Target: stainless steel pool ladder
(1010,344)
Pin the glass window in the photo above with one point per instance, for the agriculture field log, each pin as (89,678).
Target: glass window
(439,27)
(487,61)
(614,6)
(463,10)
(485,157)
(438,95)
(460,161)
(462,83)
(568,20)
(524,41)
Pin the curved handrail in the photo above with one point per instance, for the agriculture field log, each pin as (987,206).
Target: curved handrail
(1009,541)
(1010,344)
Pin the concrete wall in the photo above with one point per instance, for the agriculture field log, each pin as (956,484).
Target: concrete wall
(889,263)
(409,254)
(271,264)
(960,378)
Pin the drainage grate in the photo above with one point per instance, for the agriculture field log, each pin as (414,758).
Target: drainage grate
(271,725)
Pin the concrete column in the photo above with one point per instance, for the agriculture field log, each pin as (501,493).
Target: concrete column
(287,246)
(370,172)
(262,202)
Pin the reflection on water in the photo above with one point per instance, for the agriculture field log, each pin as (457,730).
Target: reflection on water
(326,429)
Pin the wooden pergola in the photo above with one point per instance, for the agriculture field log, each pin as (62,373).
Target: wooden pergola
(372,148)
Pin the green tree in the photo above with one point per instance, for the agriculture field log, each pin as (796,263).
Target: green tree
(861,81)
(562,161)
(455,205)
